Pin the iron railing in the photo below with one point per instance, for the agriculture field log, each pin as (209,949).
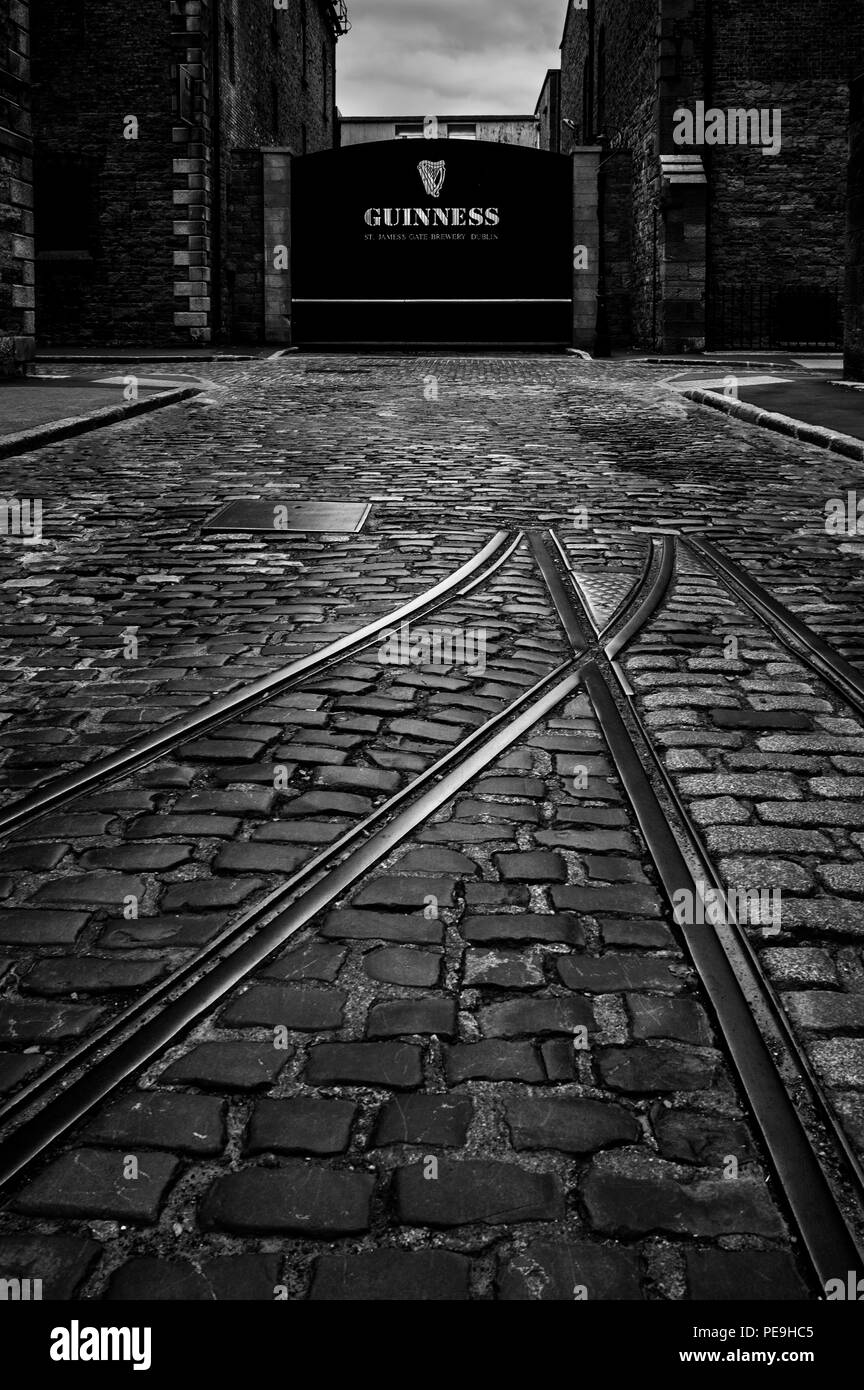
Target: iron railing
(793,316)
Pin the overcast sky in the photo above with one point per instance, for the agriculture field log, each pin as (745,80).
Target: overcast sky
(432,57)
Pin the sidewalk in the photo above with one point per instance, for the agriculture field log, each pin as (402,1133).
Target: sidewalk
(38,410)
(803,398)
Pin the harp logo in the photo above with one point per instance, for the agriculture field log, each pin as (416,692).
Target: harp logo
(433,173)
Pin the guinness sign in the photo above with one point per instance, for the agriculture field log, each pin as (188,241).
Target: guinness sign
(380,256)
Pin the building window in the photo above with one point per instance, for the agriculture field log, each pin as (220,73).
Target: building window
(325,84)
(65,209)
(461,132)
(231,51)
(601,82)
(409,132)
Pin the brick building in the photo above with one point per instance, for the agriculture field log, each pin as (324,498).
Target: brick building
(16,191)
(855,245)
(500,130)
(149,123)
(548,112)
(710,240)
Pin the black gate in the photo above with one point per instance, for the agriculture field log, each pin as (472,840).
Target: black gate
(433,243)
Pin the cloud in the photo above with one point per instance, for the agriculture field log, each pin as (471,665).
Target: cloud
(437,57)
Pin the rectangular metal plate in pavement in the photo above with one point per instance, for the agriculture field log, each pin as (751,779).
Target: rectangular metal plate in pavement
(274,517)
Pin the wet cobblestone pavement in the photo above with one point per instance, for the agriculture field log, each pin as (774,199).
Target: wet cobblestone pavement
(487,1068)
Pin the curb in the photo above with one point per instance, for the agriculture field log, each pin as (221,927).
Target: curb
(56,430)
(823,438)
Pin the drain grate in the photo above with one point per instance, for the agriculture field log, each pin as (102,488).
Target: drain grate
(274,518)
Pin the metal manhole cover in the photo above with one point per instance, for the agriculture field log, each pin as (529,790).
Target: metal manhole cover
(274,517)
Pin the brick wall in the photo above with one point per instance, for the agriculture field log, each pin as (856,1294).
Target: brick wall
(274,99)
(760,220)
(781,220)
(630,179)
(548,112)
(167,241)
(855,261)
(95,65)
(16,191)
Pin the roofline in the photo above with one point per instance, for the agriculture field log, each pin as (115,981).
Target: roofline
(567,18)
(550,72)
(460,117)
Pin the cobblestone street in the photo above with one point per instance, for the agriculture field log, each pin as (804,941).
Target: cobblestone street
(489,1061)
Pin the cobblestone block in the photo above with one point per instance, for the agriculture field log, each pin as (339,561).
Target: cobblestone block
(491,1193)
(34,1022)
(502,970)
(796,966)
(533,866)
(175,932)
(535,1017)
(437,861)
(63,975)
(691,1136)
(271,1006)
(439,1121)
(641,1070)
(227,1066)
(302,1125)
(201,895)
(161,1120)
(193,827)
(524,927)
(574,1126)
(395,1017)
(38,927)
(657,1017)
(383,926)
(61,1262)
(420,969)
(548,1273)
(405,894)
(435,1276)
(315,961)
(253,858)
(225,1279)
(767,1275)
(631,1192)
(91,890)
(396,1065)
(296,1199)
(493,1061)
(623,899)
(91,1184)
(615,973)
(17,1067)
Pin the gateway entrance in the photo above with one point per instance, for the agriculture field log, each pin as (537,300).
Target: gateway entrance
(437,243)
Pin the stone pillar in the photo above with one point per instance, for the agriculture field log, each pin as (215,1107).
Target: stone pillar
(17,258)
(682,269)
(192,193)
(855,238)
(586,232)
(277,246)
